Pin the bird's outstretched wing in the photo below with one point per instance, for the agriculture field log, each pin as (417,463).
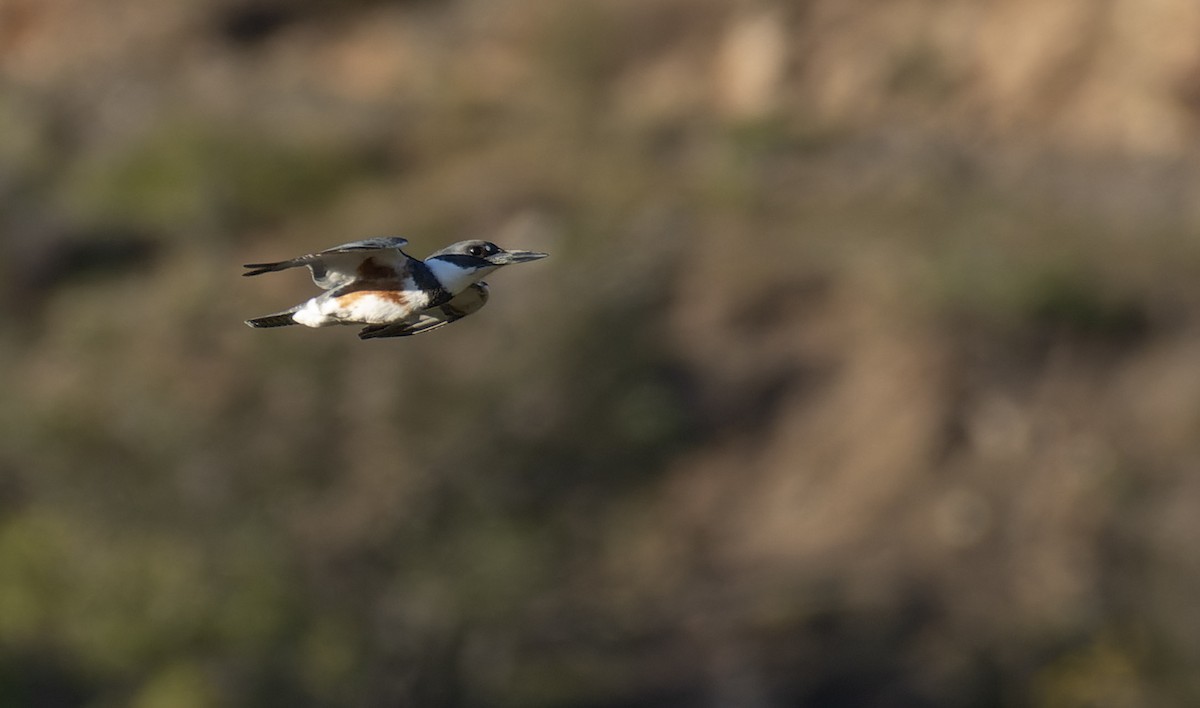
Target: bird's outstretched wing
(458,307)
(341,265)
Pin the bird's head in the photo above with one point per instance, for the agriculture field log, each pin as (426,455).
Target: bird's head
(458,265)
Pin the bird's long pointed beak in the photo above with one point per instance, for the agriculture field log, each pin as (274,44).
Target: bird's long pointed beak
(509,257)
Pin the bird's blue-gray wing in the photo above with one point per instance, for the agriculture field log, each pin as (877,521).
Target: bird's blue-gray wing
(341,265)
(465,303)
(368,244)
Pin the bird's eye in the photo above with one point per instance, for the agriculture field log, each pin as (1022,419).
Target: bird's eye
(476,251)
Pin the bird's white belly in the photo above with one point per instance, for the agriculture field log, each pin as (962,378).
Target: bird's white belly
(360,307)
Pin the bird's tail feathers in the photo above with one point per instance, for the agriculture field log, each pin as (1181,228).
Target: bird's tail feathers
(279,319)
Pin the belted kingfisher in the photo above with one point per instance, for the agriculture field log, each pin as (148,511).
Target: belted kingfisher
(374,282)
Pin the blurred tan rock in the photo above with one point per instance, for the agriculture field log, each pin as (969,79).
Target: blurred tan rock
(1082,75)
(750,64)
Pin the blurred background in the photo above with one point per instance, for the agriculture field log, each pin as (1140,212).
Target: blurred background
(865,370)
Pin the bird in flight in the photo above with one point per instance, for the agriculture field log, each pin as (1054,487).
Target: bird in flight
(375,283)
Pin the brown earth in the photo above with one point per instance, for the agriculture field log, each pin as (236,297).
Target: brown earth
(864,371)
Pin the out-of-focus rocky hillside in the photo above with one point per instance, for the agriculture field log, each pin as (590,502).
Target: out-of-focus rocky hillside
(865,370)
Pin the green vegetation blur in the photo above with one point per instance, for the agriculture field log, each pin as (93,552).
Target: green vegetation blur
(865,369)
